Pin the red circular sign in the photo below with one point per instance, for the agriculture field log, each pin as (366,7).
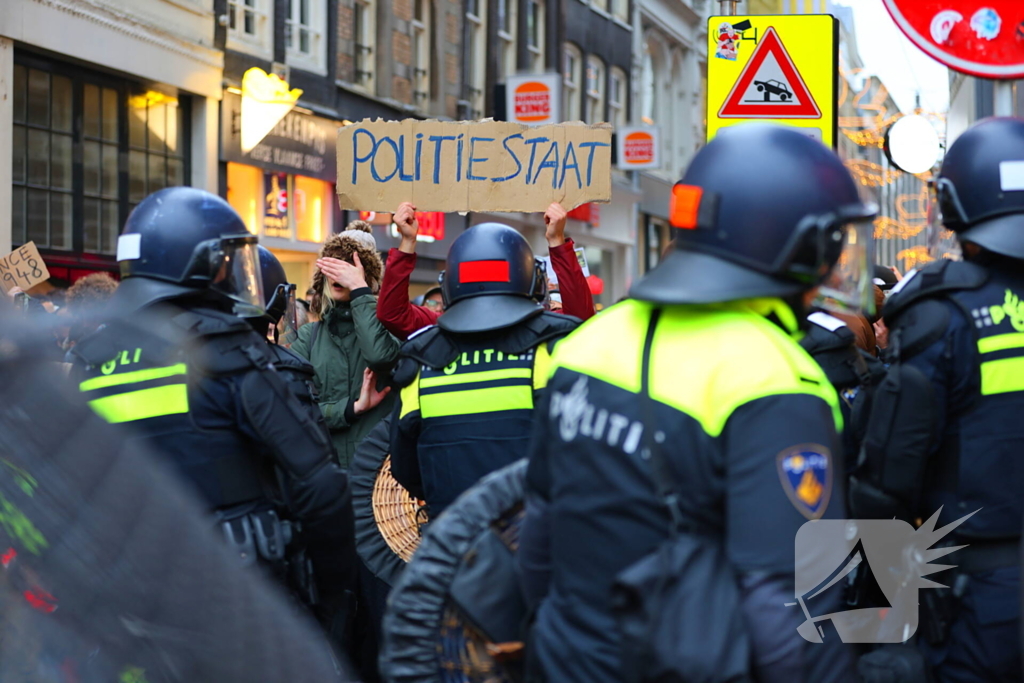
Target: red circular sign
(979,37)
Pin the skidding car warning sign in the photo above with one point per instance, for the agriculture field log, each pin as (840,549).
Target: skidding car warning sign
(780,69)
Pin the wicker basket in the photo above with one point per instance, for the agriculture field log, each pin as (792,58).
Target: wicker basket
(463,652)
(399,516)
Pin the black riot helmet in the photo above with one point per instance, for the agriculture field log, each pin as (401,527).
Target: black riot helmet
(279,297)
(181,241)
(980,189)
(762,211)
(491,280)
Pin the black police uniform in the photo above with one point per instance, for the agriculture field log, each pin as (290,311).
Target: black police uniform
(467,406)
(703,366)
(961,326)
(851,371)
(468,384)
(199,386)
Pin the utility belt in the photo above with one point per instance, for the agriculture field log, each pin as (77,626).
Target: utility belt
(939,605)
(261,536)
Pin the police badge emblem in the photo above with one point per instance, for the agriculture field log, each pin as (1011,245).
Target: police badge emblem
(805,472)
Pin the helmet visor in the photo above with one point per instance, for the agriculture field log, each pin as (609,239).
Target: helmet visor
(941,241)
(850,287)
(236,271)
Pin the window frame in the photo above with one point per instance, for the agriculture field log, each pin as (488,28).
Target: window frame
(364,45)
(125,89)
(538,23)
(614,10)
(571,81)
(595,98)
(260,43)
(315,60)
(617,112)
(476,50)
(508,25)
(420,38)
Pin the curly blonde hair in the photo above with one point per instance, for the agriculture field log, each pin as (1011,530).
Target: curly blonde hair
(342,246)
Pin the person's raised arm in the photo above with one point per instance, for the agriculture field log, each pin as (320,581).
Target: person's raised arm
(400,317)
(576,297)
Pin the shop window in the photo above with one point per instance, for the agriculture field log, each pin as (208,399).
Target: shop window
(156,159)
(42,193)
(572,74)
(421,25)
(312,208)
(279,205)
(535,34)
(476,22)
(78,169)
(245,187)
(251,27)
(365,29)
(595,90)
(306,48)
(507,20)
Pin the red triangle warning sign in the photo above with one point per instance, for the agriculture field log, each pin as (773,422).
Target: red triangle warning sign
(770,87)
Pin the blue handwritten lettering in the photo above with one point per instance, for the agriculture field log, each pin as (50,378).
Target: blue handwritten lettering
(458,164)
(419,153)
(533,142)
(402,175)
(376,155)
(590,157)
(438,141)
(355,151)
(575,165)
(472,151)
(552,154)
(515,157)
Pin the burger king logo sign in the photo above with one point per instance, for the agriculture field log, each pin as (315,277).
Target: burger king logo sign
(533,99)
(532,102)
(637,148)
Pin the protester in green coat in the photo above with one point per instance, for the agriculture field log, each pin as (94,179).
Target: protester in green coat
(350,350)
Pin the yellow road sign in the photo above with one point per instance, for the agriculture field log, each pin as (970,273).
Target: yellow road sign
(780,69)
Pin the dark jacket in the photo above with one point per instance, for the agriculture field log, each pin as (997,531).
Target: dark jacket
(347,341)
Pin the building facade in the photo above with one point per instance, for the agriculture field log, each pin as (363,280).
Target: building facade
(103,103)
(671,60)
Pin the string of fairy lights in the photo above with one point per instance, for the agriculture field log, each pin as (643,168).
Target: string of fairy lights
(866,128)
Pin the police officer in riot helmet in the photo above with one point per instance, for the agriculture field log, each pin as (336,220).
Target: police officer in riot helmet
(182,373)
(469,382)
(692,407)
(949,432)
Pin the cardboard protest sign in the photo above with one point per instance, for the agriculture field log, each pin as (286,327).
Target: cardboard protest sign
(472,165)
(23,268)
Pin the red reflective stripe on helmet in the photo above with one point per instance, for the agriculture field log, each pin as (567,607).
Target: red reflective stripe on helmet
(684,206)
(484,271)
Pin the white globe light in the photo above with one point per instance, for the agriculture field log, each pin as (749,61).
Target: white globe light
(912,144)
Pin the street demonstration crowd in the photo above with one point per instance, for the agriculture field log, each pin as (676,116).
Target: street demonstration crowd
(496,482)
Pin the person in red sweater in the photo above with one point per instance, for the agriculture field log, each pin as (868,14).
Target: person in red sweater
(401,318)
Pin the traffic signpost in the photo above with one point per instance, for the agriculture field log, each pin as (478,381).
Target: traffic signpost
(781,69)
(983,38)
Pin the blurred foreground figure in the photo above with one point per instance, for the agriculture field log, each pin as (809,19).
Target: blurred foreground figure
(948,430)
(182,373)
(685,437)
(109,571)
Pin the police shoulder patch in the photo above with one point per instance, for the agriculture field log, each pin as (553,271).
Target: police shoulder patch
(805,472)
